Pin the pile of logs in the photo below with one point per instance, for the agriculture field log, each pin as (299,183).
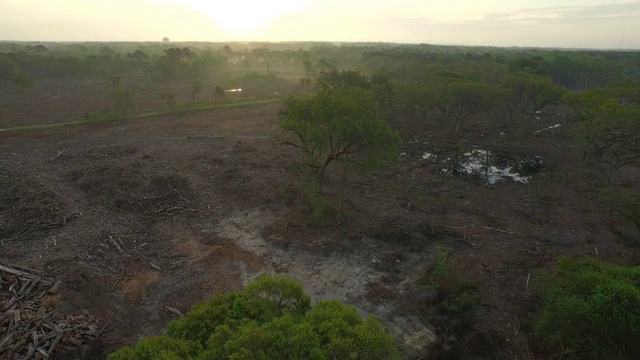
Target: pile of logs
(29,327)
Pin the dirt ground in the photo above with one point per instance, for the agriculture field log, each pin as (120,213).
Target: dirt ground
(137,216)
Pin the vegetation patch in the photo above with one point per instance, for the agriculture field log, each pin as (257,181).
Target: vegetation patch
(451,301)
(591,310)
(272,318)
(626,205)
(318,208)
(453,298)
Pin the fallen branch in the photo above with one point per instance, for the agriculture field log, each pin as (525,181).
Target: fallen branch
(57,156)
(174,311)
(500,230)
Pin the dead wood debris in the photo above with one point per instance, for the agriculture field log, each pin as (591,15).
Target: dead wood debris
(128,187)
(26,206)
(29,327)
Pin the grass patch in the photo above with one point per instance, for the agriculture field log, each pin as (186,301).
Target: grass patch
(98,117)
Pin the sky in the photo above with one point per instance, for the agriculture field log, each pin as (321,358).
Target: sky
(595,24)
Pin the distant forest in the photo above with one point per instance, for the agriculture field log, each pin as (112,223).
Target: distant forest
(575,70)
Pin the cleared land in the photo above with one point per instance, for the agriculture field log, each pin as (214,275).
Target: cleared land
(136,217)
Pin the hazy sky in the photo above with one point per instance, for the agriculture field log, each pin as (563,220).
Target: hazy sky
(544,23)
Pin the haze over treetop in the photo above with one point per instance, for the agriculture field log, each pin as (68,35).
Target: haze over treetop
(528,23)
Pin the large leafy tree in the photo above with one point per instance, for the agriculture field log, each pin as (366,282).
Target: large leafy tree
(528,93)
(334,80)
(611,136)
(455,99)
(626,203)
(174,62)
(339,124)
(272,318)
(9,71)
(416,100)
(460,99)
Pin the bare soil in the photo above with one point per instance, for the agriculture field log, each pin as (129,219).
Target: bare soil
(137,216)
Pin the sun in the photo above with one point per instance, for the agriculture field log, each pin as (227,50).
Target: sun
(242,17)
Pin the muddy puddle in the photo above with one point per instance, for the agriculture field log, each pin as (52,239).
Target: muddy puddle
(497,166)
(490,166)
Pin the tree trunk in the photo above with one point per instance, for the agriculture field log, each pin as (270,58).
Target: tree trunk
(322,170)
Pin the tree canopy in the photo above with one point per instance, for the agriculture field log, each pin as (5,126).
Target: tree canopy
(591,309)
(339,125)
(611,135)
(272,318)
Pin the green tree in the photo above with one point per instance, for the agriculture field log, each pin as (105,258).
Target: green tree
(23,81)
(218,93)
(612,136)
(271,319)
(627,92)
(331,79)
(309,71)
(126,100)
(228,52)
(10,72)
(458,100)
(586,104)
(174,62)
(591,310)
(171,101)
(527,94)
(384,93)
(416,101)
(138,61)
(332,126)
(196,88)
(625,203)
(116,81)
(8,68)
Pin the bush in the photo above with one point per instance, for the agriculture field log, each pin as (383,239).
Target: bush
(454,299)
(272,318)
(126,100)
(626,203)
(171,101)
(591,310)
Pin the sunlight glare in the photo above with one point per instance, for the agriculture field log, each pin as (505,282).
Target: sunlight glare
(244,16)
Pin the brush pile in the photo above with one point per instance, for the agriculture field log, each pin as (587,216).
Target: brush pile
(27,207)
(30,328)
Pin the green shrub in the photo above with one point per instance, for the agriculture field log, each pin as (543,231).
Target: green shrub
(272,318)
(319,210)
(154,348)
(591,309)
(626,204)
(126,100)
(170,99)
(454,298)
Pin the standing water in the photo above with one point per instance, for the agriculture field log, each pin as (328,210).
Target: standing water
(495,166)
